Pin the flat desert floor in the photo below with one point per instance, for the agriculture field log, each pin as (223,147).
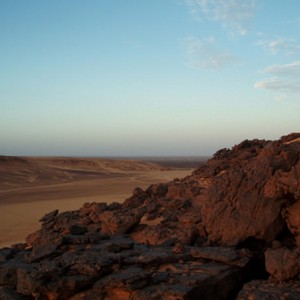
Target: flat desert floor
(31,187)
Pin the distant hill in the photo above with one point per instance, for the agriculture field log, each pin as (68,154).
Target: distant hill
(39,170)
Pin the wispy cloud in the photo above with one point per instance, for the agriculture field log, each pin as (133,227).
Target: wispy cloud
(286,45)
(285,78)
(291,69)
(279,85)
(204,54)
(232,14)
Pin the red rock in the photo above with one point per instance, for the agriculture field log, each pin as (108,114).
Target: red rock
(258,290)
(248,192)
(186,239)
(120,222)
(283,264)
(292,215)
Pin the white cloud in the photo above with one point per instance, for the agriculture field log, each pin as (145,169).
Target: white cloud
(233,14)
(291,69)
(203,54)
(285,78)
(279,85)
(288,46)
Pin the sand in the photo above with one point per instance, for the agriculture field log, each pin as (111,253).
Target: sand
(23,201)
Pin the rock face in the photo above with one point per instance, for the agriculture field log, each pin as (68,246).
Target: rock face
(233,220)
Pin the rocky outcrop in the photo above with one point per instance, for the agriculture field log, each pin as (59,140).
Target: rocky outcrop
(252,191)
(234,220)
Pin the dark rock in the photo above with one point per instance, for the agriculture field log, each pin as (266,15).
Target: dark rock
(49,216)
(45,246)
(6,254)
(77,229)
(258,290)
(120,221)
(283,264)
(26,280)
(10,294)
(228,256)
(137,199)
(201,237)
(8,274)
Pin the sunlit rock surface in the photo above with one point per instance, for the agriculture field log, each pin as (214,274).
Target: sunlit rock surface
(230,230)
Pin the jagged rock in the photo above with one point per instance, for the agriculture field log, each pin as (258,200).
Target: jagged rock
(120,221)
(6,254)
(78,229)
(8,274)
(49,216)
(283,264)
(10,294)
(45,246)
(251,184)
(200,237)
(228,256)
(292,215)
(258,290)
(92,211)
(118,268)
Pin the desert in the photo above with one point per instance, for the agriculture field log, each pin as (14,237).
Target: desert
(228,230)
(150,150)
(32,186)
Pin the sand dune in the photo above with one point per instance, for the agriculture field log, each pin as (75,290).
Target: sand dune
(33,171)
(31,187)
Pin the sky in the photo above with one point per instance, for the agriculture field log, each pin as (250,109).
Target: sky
(146,78)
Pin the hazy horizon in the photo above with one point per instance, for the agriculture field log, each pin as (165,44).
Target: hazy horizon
(117,157)
(146,78)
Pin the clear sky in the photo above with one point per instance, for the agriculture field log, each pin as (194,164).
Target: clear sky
(151,77)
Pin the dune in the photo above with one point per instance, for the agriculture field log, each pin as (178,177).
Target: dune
(33,186)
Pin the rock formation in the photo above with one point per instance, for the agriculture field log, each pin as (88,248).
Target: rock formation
(231,230)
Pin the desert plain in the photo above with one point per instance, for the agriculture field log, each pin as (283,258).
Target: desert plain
(32,186)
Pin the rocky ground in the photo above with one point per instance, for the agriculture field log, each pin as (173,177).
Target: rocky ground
(231,230)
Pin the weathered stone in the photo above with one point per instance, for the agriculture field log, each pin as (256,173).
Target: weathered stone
(283,264)
(75,239)
(77,229)
(8,274)
(25,280)
(258,290)
(49,216)
(293,219)
(120,222)
(46,246)
(227,255)
(10,294)
(247,193)
(91,294)
(6,254)
(137,199)
(200,237)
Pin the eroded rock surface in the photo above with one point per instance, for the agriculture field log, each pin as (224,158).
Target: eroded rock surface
(202,237)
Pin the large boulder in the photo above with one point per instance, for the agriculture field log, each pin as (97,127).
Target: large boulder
(252,186)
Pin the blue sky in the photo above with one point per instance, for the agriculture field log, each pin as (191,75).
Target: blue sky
(159,77)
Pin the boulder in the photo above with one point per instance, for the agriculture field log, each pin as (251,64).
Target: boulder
(283,263)
(251,184)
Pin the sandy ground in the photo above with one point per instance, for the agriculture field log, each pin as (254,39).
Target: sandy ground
(22,205)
